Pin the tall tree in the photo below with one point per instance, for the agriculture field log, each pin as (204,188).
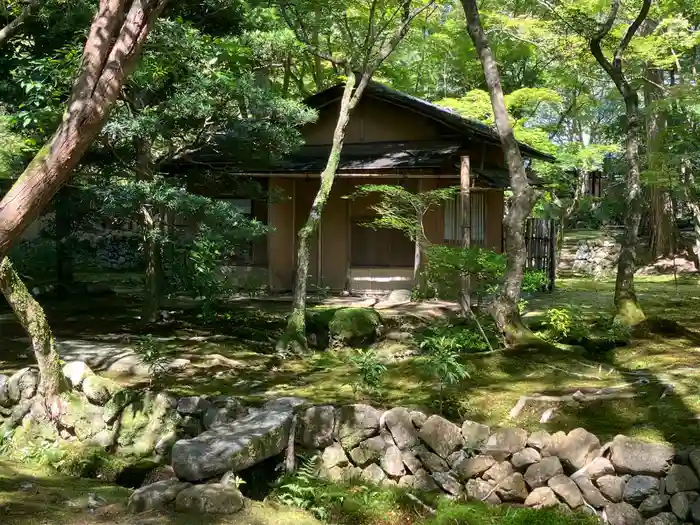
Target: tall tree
(369,31)
(505,307)
(628,308)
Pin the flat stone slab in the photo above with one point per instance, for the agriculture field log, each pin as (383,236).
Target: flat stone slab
(235,446)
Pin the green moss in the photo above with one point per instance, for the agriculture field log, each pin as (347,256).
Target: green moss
(354,325)
(450,513)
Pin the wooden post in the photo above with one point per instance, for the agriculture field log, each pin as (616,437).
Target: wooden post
(552,253)
(465,210)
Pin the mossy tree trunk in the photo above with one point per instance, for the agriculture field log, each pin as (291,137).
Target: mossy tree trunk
(31,316)
(627,306)
(294,337)
(504,308)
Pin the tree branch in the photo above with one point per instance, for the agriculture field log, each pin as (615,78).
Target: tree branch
(11,29)
(631,30)
(301,36)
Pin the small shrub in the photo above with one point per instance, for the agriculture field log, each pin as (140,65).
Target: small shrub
(153,354)
(461,337)
(534,281)
(565,324)
(370,372)
(442,362)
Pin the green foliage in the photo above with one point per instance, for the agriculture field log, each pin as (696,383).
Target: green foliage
(565,324)
(534,281)
(447,265)
(464,338)
(153,354)
(369,370)
(306,491)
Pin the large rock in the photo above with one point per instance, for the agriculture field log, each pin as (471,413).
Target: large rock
(695,511)
(392,462)
(374,474)
(118,402)
(156,496)
(498,472)
(441,436)
(505,442)
(597,468)
(316,427)
(232,447)
(539,439)
(665,518)
(448,483)
(567,490)
(418,419)
(554,444)
(694,459)
(145,422)
(352,326)
(99,389)
(398,422)
(681,502)
(355,423)
(654,505)
(612,487)
(192,405)
(631,456)
(334,456)
(512,489)
(623,514)
(638,488)
(591,493)
(469,468)
(22,385)
(475,435)
(5,400)
(413,464)
(480,490)
(75,372)
(85,419)
(369,451)
(525,458)
(681,478)
(213,498)
(578,449)
(423,481)
(432,462)
(541,498)
(224,411)
(539,474)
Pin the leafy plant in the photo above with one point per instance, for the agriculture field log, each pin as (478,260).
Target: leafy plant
(565,324)
(442,362)
(152,354)
(305,490)
(370,372)
(462,337)
(534,281)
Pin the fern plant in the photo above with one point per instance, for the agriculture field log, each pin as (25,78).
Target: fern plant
(305,490)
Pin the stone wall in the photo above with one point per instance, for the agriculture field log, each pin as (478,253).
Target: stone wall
(596,257)
(204,442)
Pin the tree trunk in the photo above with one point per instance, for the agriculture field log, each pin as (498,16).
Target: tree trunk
(112,47)
(33,320)
(11,29)
(505,307)
(64,245)
(294,338)
(465,300)
(662,231)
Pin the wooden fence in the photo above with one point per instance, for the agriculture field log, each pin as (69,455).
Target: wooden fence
(541,246)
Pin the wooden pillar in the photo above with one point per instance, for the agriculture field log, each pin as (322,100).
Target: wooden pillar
(465,209)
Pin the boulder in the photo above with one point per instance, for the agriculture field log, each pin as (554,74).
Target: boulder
(296,404)
(161,473)
(75,372)
(525,458)
(681,502)
(351,474)
(498,472)
(22,385)
(631,456)
(505,442)
(156,496)
(4,395)
(145,422)
(591,494)
(456,457)
(369,451)
(623,514)
(612,487)
(597,468)
(567,490)
(224,411)
(355,423)
(541,498)
(512,489)
(480,490)
(432,462)
(554,444)
(192,406)
(469,468)
(423,481)
(539,439)
(82,417)
(316,426)
(334,456)
(448,483)
(398,422)
(694,459)
(99,389)
(665,518)
(233,447)
(681,478)
(539,474)
(191,426)
(406,482)
(578,449)
(118,402)
(374,474)
(399,296)
(213,498)
(695,511)
(441,436)
(411,461)
(392,462)
(353,326)
(475,435)
(654,505)
(386,436)
(418,419)
(638,488)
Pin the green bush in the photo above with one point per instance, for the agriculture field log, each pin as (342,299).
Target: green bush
(565,324)
(447,265)
(462,337)
(354,326)
(370,371)
(534,281)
